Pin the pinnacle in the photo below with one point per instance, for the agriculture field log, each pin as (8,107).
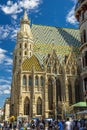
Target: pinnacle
(25,15)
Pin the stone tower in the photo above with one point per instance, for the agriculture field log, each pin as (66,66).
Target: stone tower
(81,15)
(24,46)
(23,50)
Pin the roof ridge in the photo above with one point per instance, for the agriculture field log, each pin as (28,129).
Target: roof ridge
(55,27)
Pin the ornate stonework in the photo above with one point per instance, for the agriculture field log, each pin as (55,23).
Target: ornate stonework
(44,79)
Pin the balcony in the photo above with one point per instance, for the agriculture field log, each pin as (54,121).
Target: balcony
(79,3)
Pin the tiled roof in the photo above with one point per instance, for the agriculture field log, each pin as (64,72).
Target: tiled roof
(63,40)
(28,64)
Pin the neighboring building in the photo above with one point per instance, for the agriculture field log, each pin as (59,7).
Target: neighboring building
(7,109)
(46,70)
(1,113)
(81,15)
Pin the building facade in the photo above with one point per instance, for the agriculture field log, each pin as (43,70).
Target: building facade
(81,15)
(7,109)
(46,71)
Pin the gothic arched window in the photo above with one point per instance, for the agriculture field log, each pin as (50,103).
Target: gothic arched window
(42,81)
(39,106)
(50,93)
(58,90)
(24,80)
(85,84)
(70,93)
(26,106)
(30,81)
(84,36)
(77,91)
(36,80)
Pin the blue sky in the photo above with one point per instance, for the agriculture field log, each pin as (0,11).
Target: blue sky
(58,13)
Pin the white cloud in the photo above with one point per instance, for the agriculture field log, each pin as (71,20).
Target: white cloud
(2,55)
(4,58)
(6,92)
(5,81)
(70,17)
(17,7)
(8,32)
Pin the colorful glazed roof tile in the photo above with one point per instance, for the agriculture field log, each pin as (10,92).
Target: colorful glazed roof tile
(28,64)
(63,40)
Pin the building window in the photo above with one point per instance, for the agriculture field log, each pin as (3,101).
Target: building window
(36,80)
(24,80)
(50,93)
(26,106)
(85,58)
(85,84)
(30,53)
(77,91)
(84,36)
(30,46)
(25,53)
(42,81)
(58,90)
(70,93)
(19,45)
(30,81)
(39,106)
(25,45)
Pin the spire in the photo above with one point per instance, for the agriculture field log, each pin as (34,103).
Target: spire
(25,19)
(25,30)
(25,15)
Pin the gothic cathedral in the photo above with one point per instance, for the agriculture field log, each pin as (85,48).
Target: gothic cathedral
(46,70)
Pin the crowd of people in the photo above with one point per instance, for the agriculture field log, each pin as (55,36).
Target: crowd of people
(46,125)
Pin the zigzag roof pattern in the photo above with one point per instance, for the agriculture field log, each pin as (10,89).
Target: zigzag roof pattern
(55,35)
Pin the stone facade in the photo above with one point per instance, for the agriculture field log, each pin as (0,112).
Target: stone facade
(46,76)
(81,15)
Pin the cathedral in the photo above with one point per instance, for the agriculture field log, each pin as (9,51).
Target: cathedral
(47,72)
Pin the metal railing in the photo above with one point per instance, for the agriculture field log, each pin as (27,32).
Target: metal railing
(79,3)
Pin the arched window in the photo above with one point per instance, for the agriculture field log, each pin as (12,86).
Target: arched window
(85,84)
(30,53)
(30,46)
(42,81)
(77,91)
(36,80)
(84,36)
(26,106)
(70,93)
(25,52)
(30,81)
(39,106)
(19,45)
(58,90)
(85,58)
(50,93)
(25,45)
(24,80)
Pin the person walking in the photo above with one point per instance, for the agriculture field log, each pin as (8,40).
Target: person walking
(68,125)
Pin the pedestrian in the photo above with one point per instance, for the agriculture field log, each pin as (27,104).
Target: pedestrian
(60,125)
(68,125)
(76,126)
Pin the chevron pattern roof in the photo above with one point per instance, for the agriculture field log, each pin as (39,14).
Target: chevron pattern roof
(63,40)
(29,63)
